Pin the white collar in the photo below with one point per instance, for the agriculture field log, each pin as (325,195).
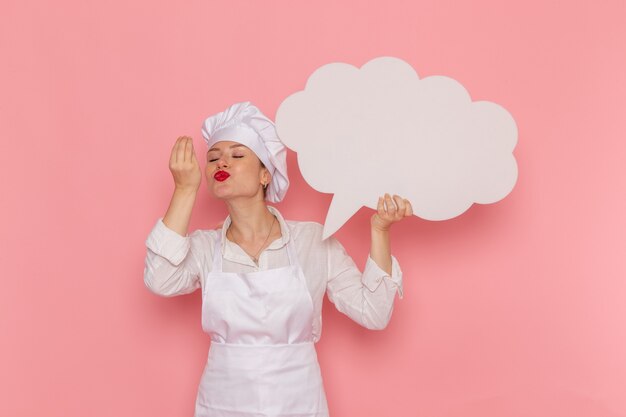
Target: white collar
(235,253)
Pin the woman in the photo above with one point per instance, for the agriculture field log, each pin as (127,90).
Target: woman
(263,278)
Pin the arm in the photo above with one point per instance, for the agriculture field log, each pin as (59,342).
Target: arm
(172,264)
(187,176)
(368,298)
(386,214)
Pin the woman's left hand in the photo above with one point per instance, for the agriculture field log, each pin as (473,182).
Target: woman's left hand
(390,211)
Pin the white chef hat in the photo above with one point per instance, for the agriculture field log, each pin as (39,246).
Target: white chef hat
(244,123)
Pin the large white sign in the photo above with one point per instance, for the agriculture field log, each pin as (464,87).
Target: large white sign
(360,133)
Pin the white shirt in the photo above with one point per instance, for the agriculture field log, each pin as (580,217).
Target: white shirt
(178,264)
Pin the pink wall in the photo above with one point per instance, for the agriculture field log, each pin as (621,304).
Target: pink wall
(512,309)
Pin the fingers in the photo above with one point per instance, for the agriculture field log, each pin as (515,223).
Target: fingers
(193,156)
(188,150)
(183,164)
(182,150)
(400,204)
(174,153)
(409,208)
(380,207)
(394,207)
(391,207)
(184,155)
(189,153)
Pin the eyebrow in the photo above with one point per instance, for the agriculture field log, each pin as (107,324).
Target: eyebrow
(231,146)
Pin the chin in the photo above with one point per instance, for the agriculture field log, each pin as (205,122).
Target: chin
(227,194)
(218,194)
(224,195)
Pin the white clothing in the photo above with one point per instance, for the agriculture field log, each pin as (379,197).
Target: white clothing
(262,359)
(178,264)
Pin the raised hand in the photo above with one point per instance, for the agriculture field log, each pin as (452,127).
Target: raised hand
(187,177)
(390,211)
(184,165)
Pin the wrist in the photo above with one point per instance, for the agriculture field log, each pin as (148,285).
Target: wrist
(378,230)
(186,191)
(378,227)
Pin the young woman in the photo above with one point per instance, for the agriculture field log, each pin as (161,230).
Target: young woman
(263,278)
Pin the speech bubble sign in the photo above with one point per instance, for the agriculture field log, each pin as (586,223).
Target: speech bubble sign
(363,132)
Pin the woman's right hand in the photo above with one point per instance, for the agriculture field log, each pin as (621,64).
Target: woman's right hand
(184,165)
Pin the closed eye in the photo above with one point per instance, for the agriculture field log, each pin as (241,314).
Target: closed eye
(234,156)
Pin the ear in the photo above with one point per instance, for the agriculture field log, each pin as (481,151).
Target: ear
(267,177)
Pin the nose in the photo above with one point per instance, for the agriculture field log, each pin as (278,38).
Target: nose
(221,163)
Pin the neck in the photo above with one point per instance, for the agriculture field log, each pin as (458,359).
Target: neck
(250,220)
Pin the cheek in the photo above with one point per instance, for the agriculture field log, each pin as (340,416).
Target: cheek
(250,168)
(208,173)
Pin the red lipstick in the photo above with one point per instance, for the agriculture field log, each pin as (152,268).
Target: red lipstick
(221,175)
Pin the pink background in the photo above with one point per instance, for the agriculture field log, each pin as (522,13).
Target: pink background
(513,309)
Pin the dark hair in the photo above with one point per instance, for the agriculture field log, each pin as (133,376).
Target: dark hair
(264,188)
